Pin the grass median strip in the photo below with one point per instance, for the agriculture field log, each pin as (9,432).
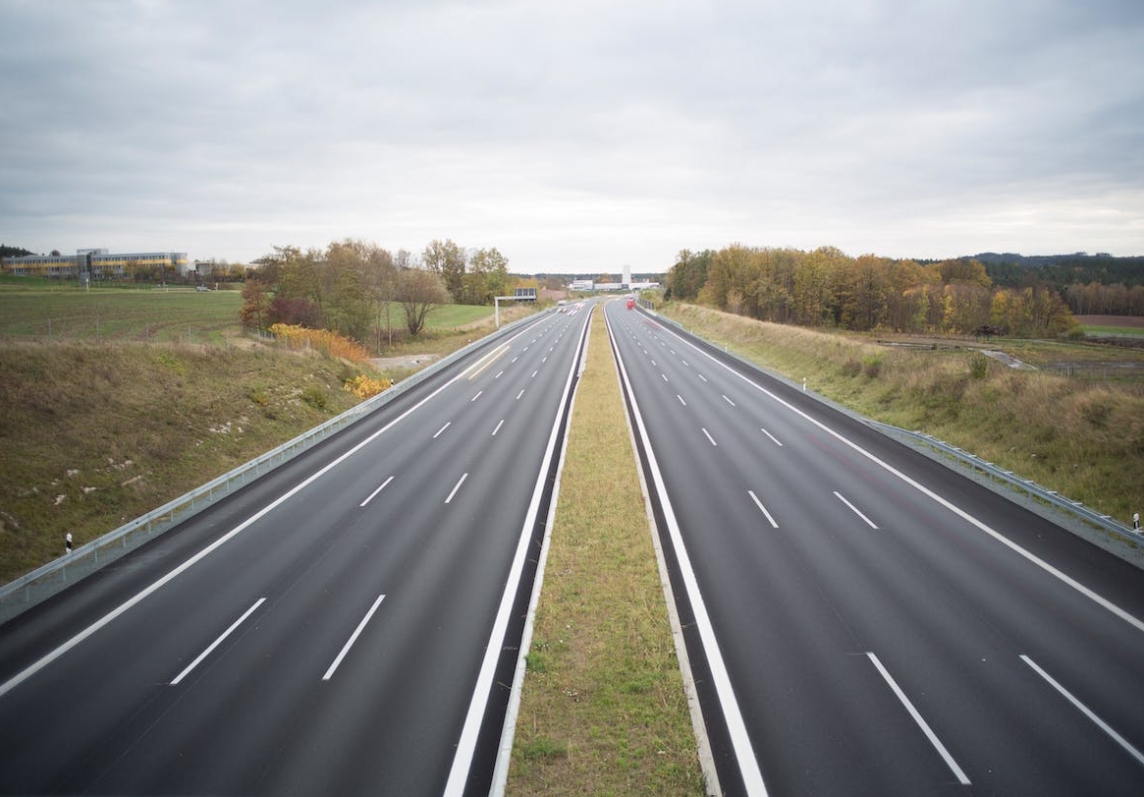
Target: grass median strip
(603,709)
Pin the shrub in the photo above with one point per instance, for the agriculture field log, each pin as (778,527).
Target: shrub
(979,366)
(364,386)
(873,366)
(315,397)
(323,340)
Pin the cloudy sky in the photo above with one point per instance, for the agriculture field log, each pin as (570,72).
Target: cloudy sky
(573,136)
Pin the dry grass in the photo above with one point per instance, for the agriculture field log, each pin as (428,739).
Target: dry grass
(95,434)
(1082,438)
(603,709)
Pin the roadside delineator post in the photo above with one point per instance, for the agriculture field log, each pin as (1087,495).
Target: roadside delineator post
(68,543)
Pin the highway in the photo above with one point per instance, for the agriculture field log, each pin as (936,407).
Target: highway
(346,625)
(861,620)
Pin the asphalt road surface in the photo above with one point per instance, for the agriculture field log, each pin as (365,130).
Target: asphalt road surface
(343,626)
(864,621)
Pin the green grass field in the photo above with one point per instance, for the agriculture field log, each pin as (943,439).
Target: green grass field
(44,310)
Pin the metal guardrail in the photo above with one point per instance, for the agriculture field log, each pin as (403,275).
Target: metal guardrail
(1030,488)
(44,582)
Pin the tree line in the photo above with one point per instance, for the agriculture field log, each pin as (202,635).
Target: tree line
(826,287)
(356,288)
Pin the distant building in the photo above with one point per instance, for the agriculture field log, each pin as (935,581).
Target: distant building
(98,264)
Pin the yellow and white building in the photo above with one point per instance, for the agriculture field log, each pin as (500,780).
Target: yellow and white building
(95,264)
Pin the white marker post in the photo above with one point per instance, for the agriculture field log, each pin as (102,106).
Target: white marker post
(67,544)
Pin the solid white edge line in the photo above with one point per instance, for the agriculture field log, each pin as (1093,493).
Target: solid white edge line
(1101,601)
(222,637)
(854,509)
(375,492)
(1116,737)
(905,701)
(470,731)
(480,365)
(732,714)
(353,638)
(457,486)
(512,711)
(762,508)
(155,586)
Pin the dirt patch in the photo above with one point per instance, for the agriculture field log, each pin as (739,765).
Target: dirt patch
(1133,321)
(411,361)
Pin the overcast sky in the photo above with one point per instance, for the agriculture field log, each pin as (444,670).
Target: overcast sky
(573,136)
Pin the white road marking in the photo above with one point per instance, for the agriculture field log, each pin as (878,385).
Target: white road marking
(664,377)
(174,573)
(1116,737)
(443,428)
(474,398)
(478,367)
(762,508)
(456,487)
(518,395)
(701,376)
(534,373)
(854,509)
(709,437)
(957,771)
(774,439)
(1032,558)
(375,492)
(681,401)
(217,642)
(499,374)
(353,638)
(497,429)
(732,713)
(728,400)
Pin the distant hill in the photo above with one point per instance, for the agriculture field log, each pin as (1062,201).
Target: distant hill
(1061,271)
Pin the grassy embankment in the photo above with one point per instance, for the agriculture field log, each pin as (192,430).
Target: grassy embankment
(132,397)
(603,710)
(1081,437)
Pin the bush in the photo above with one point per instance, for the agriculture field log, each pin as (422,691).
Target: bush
(364,386)
(979,366)
(315,397)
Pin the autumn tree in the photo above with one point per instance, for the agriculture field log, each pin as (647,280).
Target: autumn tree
(487,277)
(447,260)
(419,292)
(255,303)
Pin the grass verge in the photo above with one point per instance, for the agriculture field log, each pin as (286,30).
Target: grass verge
(603,710)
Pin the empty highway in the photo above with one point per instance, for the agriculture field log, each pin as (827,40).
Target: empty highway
(345,625)
(864,621)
